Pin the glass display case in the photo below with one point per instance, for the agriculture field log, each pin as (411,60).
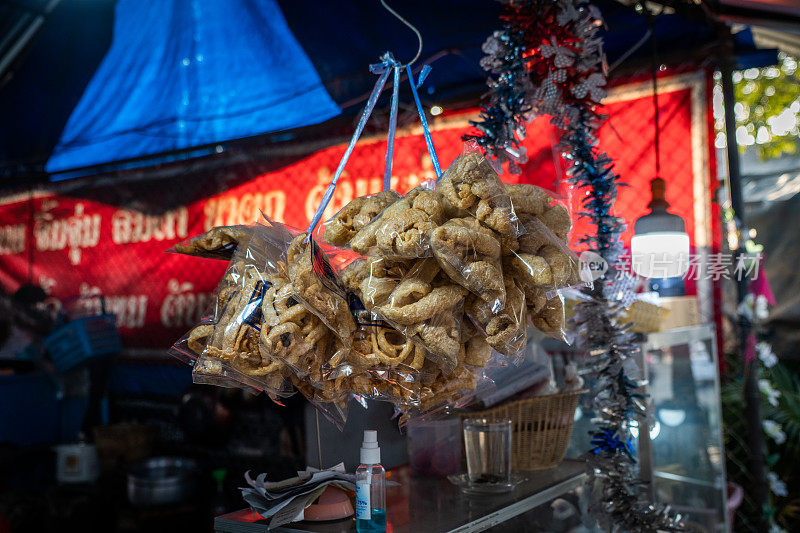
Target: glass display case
(681,453)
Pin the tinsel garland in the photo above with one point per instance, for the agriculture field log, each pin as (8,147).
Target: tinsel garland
(537,66)
(616,499)
(548,60)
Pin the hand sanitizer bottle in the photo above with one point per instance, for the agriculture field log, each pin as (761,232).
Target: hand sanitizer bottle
(370,487)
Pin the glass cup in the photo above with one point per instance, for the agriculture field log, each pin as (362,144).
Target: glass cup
(487,445)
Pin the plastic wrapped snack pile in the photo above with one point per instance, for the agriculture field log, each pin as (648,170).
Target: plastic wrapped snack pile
(406,299)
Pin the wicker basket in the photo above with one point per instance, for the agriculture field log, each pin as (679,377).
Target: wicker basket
(645,317)
(541,426)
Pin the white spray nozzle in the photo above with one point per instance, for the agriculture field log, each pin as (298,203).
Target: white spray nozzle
(370,452)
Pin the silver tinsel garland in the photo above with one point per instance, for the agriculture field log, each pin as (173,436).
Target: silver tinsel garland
(555,43)
(616,500)
(544,61)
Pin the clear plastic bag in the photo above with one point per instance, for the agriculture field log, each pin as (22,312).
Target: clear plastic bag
(470,255)
(213,370)
(540,255)
(292,333)
(542,258)
(318,286)
(234,338)
(402,230)
(373,278)
(427,306)
(471,186)
(505,329)
(217,243)
(353,217)
(220,347)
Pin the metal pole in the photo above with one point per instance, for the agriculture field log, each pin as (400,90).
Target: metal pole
(759,490)
(734,177)
(319,440)
(24,39)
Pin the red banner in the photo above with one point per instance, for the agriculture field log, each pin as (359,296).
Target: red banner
(110,238)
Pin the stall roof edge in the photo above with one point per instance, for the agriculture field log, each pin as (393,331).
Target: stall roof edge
(64,58)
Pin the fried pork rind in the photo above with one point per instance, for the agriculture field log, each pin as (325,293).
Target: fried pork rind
(377,346)
(542,258)
(426,307)
(217,243)
(551,319)
(290,333)
(528,199)
(374,278)
(330,306)
(470,255)
(477,351)
(470,185)
(549,267)
(557,220)
(505,330)
(541,219)
(402,230)
(359,212)
(438,388)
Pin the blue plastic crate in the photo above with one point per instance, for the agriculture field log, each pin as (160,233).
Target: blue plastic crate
(82,339)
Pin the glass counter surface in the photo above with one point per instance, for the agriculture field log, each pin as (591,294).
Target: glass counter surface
(434,504)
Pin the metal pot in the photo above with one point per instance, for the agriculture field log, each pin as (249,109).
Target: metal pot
(161,481)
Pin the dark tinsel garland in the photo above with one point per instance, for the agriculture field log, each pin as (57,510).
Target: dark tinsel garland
(616,500)
(537,66)
(502,120)
(548,60)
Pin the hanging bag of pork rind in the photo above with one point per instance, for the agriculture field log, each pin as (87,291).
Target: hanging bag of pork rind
(471,187)
(402,229)
(540,259)
(219,242)
(482,217)
(223,347)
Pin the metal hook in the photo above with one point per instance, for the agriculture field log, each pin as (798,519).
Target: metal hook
(407,23)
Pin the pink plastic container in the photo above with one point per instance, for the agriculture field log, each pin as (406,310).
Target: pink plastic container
(434,447)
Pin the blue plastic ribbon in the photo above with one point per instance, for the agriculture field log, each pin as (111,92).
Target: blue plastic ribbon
(425,130)
(387,173)
(373,98)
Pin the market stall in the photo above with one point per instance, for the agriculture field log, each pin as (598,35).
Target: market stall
(230,280)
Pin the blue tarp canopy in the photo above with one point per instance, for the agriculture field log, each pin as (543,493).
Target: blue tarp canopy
(185,73)
(181,74)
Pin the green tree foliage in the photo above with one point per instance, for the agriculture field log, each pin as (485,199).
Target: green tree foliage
(768,108)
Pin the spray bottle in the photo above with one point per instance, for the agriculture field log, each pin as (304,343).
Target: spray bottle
(370,487)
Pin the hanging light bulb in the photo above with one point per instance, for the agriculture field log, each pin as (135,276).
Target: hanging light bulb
(660,246)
